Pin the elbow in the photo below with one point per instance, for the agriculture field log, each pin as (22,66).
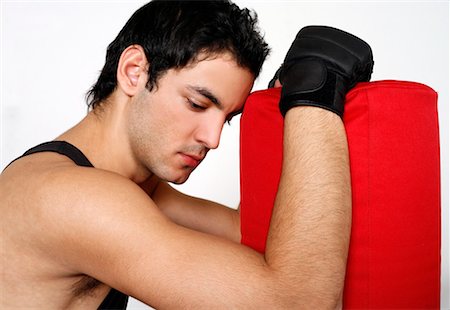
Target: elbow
(308,293)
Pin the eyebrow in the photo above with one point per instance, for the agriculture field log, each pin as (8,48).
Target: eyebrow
(206,93)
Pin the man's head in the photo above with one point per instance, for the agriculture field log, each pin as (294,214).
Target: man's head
(175,73)
(171,128)
(174,34)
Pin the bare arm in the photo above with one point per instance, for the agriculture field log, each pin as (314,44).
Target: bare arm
(198,214)
(313,205)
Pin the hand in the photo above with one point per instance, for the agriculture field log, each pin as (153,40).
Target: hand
(321,66)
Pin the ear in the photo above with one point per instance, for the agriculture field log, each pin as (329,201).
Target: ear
(132,70)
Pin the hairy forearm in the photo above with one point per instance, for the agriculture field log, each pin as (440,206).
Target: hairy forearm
(309,235)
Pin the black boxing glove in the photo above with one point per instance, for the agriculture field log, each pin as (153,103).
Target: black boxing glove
(321,66)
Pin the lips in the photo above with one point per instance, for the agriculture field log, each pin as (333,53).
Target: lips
(191,160)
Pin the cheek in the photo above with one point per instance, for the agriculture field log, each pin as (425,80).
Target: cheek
(168,122)
(180,122)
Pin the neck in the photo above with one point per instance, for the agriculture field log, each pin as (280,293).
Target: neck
(102,137)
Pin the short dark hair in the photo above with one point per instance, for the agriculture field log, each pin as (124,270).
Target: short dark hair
(174,33)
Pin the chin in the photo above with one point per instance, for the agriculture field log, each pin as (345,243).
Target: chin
(180,177)
(180,180)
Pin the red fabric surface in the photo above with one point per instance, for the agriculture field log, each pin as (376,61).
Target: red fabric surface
(392,130)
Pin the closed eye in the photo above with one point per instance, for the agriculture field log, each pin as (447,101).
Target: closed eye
(195,106)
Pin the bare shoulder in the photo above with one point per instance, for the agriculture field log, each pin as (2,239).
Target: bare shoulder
(61,186)
(55,200)
(76,199)
(66,221)
(75,214)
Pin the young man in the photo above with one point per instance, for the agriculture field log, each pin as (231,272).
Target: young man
(176,72)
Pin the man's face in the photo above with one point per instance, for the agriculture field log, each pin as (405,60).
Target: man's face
(172,127)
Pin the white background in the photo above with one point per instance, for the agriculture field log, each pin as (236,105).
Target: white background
(52,51)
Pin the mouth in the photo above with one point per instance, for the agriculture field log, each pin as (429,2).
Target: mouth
(191,160)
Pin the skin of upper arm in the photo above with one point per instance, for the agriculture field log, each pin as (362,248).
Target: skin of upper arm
(108,228)
(198,214)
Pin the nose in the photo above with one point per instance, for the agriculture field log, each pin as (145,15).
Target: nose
(208,133)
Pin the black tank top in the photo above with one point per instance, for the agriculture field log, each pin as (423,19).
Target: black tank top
(115,300)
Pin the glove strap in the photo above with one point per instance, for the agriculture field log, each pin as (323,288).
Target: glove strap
(314,85)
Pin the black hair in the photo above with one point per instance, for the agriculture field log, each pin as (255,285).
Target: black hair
(174,33)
